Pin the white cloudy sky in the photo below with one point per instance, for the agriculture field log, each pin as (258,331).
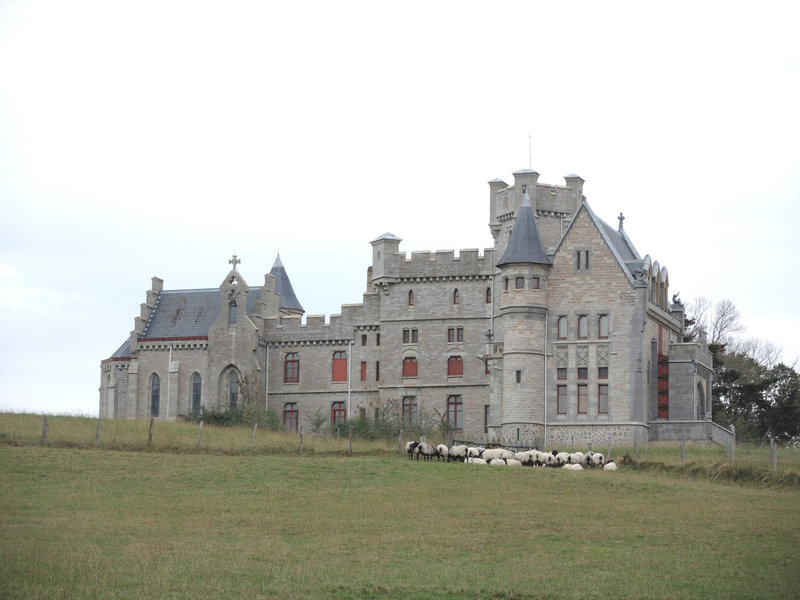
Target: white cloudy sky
(158,138)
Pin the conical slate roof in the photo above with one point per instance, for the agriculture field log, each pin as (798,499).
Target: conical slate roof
(283,286)
(525,244)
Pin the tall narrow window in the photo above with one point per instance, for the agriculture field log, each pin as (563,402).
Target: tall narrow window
(455,296)
(338,413)
(583,399)
(455,366)
(582,260)
(602,327)
(411,297)
(451,334)
(488,295)
(505,284)
(377,339)
(233,389)
(562,328)
(602,399)
(363,371)
(291,368)
(534,283)
(459,334)
(454,412)
(155,395)
(410,410)
(290,415)
(410,367)
(561,399)
(339,366)
(518,376)
(485,418)
(583,327)
(377,370)
(196,390)
(364,339)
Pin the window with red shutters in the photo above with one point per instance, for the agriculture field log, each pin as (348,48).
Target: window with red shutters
(340,366)
(455,366)
(410,367)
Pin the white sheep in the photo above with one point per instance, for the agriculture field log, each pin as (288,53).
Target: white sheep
(572,467)
(497,462)
(457,453)
(475,460)
(475,452)
(575,458)
(527,458)
(491,454)
(506,454)
(562,458)
(596,460)
(610,466)
(513,462)
(442,452)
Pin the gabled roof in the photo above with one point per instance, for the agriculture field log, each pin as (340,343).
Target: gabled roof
(288,299)
(186,313)
(617,241)
(525,244)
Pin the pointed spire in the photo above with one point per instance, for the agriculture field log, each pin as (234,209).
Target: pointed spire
(288,300)
(525,244)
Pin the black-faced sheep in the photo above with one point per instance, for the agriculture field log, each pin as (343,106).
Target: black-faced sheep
(410,448)
(426,450)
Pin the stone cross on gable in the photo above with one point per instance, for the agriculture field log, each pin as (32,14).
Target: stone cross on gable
(621,218)
(234,261)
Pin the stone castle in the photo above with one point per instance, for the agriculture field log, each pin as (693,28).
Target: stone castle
(560,333)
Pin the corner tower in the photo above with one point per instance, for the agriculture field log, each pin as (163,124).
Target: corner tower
(523,272)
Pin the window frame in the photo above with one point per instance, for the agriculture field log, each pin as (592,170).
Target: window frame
(583,399)
(338,413)
(455,412)
(410,367)
(602,327)
(290,409)
(291,367)
(455,366)
(155,395)
(519,282)
(602,392)
(197,393)
(583,327)
(409,410)
(562,400)
(339,366)
(562,327)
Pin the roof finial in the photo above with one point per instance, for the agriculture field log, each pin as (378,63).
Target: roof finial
(234,261)
(621,218)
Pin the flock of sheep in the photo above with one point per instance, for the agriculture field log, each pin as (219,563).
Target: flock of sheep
(573,461)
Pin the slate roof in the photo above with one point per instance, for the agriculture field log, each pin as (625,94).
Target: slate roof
(283,286)
(525,244)
(185,313)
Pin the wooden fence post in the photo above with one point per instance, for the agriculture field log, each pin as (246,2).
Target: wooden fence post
(774,449)
(253,437)
(733,452)
(200,436)
(150,435)
(350,442)
(301,440)
(97,436)
(400,443)
(44,431)
(683,449)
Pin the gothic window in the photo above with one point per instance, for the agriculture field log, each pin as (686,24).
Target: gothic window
(562,328)
(455,296)
(583,399)
(602,327)
(155,395)
(454,412)
(339,366)
(455,366)
(291,368)
(583,327)
(233,389)
(602,399)
(290,416)
(410,366)
(196,391)
(561,399)
(488,295)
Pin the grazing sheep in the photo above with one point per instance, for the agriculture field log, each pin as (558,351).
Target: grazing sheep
(513,462)
(562,458)
(475,460)
(475,452)
(442,452)
(526,458)
(426,450)
(506,454)
(548,459)
(491,454)
(496,462)
(596,460)
(410,448)
(575,458)
(457,453)
(610,466)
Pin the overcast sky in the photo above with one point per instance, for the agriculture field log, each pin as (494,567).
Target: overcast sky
(159,138)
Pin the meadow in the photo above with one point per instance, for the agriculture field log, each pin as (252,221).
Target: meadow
(172,521)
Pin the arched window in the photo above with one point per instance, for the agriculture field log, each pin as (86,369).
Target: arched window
(291,368)
(338,413)
(410,366)
(340,366)
(454,412)
(155,395)
(488,295)
(411,297)
(455,296)
(290,414)
(233,389)
(196,391)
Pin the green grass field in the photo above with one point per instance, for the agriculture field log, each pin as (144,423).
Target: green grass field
(78,522)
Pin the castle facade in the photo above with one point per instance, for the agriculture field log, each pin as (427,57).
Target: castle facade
(561,333)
